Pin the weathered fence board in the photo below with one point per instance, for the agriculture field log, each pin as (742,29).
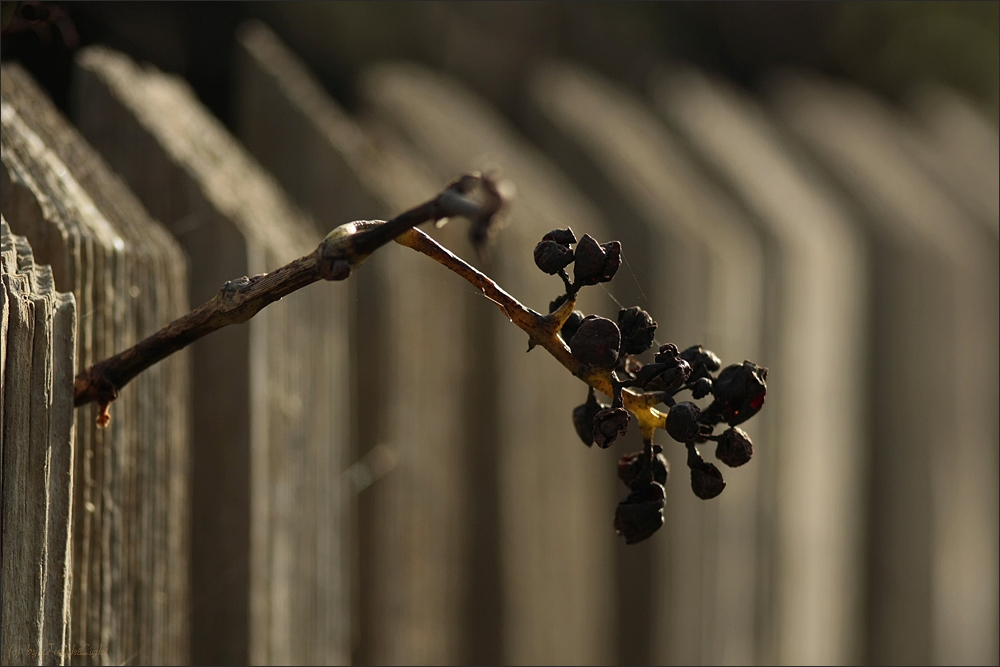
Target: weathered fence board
(817,443)
(556,543)
(935,582)
(959,146)
(702,271)
(270,399)
(36,457)
(130,527)
(413,369)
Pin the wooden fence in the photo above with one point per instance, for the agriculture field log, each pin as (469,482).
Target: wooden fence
(270,419)
(38,336)
(375,472)
(129,482)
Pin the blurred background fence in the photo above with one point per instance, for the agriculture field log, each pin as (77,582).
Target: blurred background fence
(374,471)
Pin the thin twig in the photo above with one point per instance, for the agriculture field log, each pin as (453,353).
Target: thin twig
(335,259)
(236,302)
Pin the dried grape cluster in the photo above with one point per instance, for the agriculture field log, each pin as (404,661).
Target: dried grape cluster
(737,391)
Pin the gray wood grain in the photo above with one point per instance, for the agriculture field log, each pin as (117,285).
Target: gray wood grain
(23,506)
(270,399)
(39,335)
(129,600)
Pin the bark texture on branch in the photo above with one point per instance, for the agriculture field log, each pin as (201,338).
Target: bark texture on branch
(340,253)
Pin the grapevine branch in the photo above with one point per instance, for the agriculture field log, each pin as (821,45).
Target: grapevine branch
(336,257)
(600,352)
(342,251)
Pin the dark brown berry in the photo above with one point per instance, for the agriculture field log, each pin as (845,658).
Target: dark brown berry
(648,373)
(609,424)
(638,330)
(597,342)
(571,325)
(676,371)
(561,236)
(596,262)
(739,392)
(682,422)
(632,468)
(583,418)
(706,480)
(552,257)
(667,353)
(734,448)
(641,513)
(701,388)
(703,362)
